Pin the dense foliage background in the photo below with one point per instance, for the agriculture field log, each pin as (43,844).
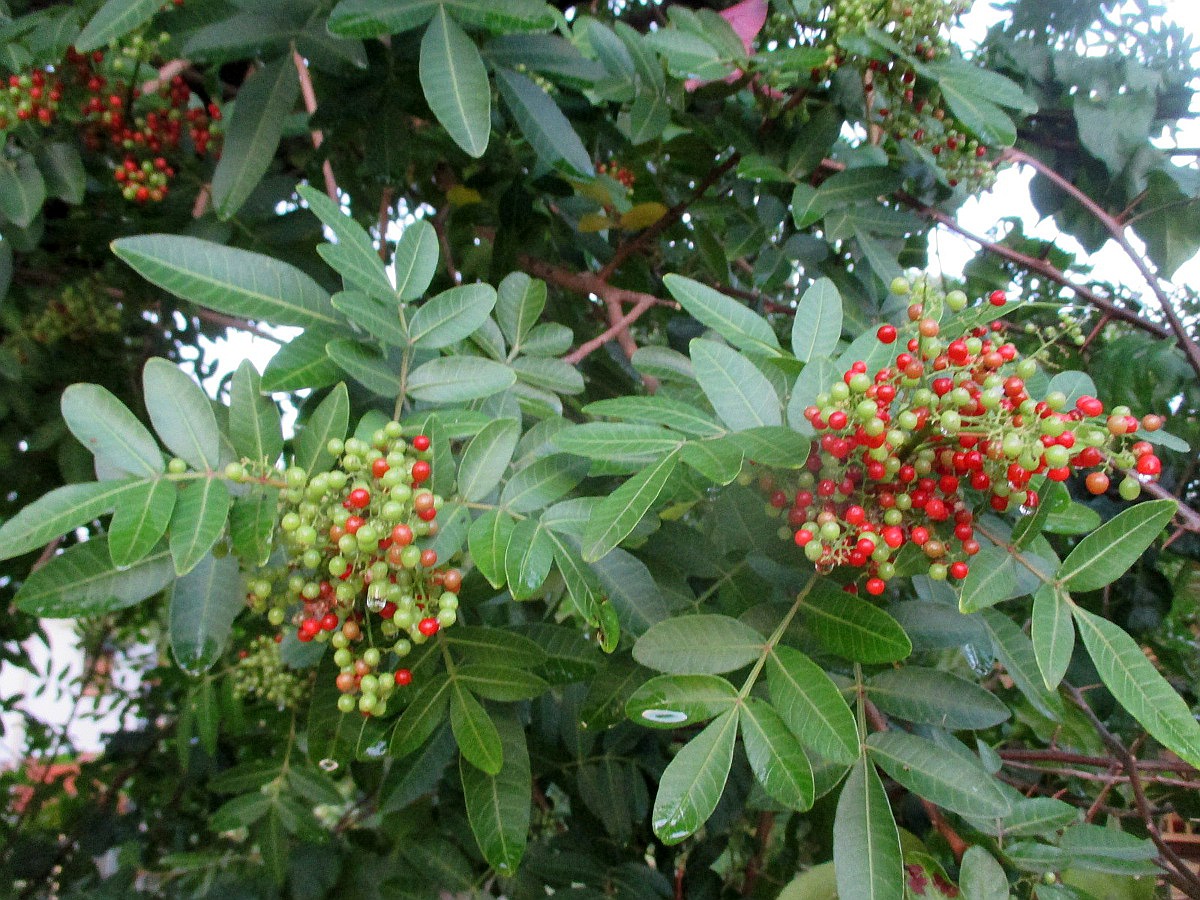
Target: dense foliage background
(603,257)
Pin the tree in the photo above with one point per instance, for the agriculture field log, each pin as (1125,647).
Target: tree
(657,520)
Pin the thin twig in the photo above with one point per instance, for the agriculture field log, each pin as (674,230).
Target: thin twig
(216,318)
(1183,876)
(310,106)
(385,208)
(1116,229)
(618,327)
(165,73)
(439,227)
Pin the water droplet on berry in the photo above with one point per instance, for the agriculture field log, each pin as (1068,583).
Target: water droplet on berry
(664,717)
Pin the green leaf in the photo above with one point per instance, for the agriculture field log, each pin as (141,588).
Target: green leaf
(140,519)
(694,780)
(376,18)
(62,168)
(365,365)
(1138,686)
(817,326)
(971,103)
(486,458)
(1015,653)
(505,683)
(329,420)
(204,603)
(674,701)
(553,339)
(932,697)
(228,280)
(619,513)
(1039,815)
(197,521)
(811,705)
(252,134)
(992,579)
(946,779)
(451,316)
(254,424)
(718,461)
(772,445)
(981,877)
(405,784)
(617,441)
(476,734)
(495,647)
(852,629)
(855,185)
(454,379)
(114,20)
(182,414)
(549,374)
(455,84)
(866,845)
(353,256)
(519,303)
(542,123)
(698,644)
(22,189)
(740,326)
(542,482)
(775,757)
(658,410)
(379,319)
(527,558)
(487,540)
(252,525)
(241,812)
(421,717)
(415,260)
(104,425)
(1107,553)
(1053,634)
(498,807)
(83,582)
(63,509)
(740,394)
(301,363)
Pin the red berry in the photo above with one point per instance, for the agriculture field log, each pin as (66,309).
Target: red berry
(997,298)
(428,626)
(959,570)
(803,536)
(359,498)
(429,558)
(1149,464)
(403,677)
(329,622)
(421,470)
(1097,483)
(876,586)
(420,443)
(402,535)
(886,334)
(379,468)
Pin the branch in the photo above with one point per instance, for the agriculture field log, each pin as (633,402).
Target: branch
(165,74)
(669,218)
(1178,872)
(619,329)
(1117,230)
(310,105)
(439,227)
(216,318)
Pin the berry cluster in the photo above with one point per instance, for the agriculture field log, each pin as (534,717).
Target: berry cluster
(32,97)
(260,672)
(618,173)
(908,454)
(80,312)
(117,116)
(355,576)
(900,105)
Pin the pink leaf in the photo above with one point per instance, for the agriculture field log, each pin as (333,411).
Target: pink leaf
(747,19)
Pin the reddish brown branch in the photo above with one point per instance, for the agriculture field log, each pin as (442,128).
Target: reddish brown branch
(1116,230)
(439,228)
(1177,871)
(310,106)
(669,218)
